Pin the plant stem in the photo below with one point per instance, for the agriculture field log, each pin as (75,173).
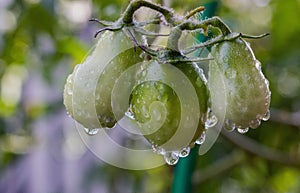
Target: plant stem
(192,25)
(136,4)
(194,12)
(222,38)
(260,150)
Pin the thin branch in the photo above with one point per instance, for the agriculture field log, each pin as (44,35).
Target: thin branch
(176,32)
(285,117)
(102,22)
(260,150)
(254,37)
(188,60)
(194,11)
(222,38)
(129,33)
(106,29)
(218,167)
(136,4)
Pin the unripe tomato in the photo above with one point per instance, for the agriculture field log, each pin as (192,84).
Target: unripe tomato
(236,72)
(160,101)
(87,94)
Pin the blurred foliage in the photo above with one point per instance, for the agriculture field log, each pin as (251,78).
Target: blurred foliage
(41,41)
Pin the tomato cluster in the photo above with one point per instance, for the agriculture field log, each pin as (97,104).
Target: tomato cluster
(161,102)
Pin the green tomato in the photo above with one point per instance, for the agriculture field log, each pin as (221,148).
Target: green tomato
(157,105)
(236,72)
(87,93)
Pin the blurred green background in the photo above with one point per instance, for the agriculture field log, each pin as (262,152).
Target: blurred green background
(42,40)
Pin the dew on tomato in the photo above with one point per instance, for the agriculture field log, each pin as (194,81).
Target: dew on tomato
(247,89)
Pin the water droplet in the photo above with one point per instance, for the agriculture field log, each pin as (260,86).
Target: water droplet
(70,79)
(142,55)
(201,139)
(242,130)
(158,150)
(144,40)
(108,120)
(266,116)
(69,91)
(79,65)
(97,98)
(254,123)
(211,120)
(184,152)
(129,114)
(258,65)
(225,59)
(171,158)
(91,131)
(230,73)
(138,101)
(247,77)
(145,112)
(229,126)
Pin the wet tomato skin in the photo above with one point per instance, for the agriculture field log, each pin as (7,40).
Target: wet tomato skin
(237,74)
(87,92)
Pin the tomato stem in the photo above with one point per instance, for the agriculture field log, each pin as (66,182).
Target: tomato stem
(136,4)
(255,37)
(193,25)
(220,39)
(107,29)
(194,11)
(102,22)
(188,60)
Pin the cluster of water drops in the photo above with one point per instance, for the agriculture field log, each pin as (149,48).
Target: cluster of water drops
(172,157)
(254,123)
